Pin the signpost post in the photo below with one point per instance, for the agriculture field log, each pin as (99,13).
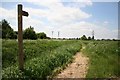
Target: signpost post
(20,37)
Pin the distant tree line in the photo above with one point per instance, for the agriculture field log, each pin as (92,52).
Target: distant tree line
(85,38)
(28,33)
(6,32)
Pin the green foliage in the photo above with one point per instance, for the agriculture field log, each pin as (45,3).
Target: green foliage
(89,38)
(29,33)
(83,37)
(41,35)
(41,57)
(9,52)
(104,59)
(7,31)
(92,37)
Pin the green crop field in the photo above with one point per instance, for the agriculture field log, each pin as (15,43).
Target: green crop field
(43,58)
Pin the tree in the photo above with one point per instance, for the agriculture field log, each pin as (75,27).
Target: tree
(77,38)
(29,33)
(83,37)
(114,39)
(7,31)
(89,38)
(41,35)
(92,37)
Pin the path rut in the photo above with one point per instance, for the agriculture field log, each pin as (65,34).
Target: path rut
(77,69)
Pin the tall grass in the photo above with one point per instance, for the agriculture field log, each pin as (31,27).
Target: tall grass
(41,57)
(32,48)
(104,59)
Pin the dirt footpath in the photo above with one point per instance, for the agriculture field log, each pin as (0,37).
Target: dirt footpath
(77,69)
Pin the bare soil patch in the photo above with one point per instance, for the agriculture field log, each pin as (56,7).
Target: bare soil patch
(77,69)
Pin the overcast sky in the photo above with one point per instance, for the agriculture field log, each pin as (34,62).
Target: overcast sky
(72,19)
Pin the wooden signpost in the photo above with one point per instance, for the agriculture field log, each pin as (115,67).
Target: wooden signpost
(20,36)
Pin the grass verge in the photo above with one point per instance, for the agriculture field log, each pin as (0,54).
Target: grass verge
(104,59)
